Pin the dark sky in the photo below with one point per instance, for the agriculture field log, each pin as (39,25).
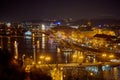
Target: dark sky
(18,10)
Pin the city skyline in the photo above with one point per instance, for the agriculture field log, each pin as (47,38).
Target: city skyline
(20,10)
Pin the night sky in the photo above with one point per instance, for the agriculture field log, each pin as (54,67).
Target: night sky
(18,10)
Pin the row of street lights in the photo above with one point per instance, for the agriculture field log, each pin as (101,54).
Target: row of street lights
(44,59)
(108,56)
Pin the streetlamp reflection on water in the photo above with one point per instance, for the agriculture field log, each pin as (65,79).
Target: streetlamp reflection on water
(16,49)
(43,41)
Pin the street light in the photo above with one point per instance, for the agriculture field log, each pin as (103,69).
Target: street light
(39,62)
(81,57)
(111,56)
(104,55)
(47,58)
(44,58)
(74,57)
(78,57)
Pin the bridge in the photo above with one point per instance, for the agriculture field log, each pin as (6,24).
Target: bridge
(57,71)
(112,64)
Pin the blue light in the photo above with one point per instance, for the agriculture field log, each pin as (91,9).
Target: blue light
(28,33)
(58,23)
(99,25)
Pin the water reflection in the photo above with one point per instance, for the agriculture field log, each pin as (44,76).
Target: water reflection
(9,43)
(43,41)
(59,55)
(16,49)
(1,42)
(115,73)
(35,46)
(38,44)
(112,74)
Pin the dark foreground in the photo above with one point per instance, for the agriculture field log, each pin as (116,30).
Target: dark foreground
(11,69)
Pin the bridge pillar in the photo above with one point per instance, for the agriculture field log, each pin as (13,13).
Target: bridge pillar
(100,73)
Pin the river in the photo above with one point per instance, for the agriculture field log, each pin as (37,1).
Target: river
(34,47)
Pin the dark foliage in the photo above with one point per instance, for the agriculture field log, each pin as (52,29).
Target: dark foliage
(11,69)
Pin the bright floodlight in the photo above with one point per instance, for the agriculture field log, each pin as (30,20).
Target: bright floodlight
(43,27)
(8,24)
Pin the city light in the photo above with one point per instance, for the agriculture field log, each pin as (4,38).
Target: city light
(43,27)
(8,24)
(39,62)
(104,55)
(44,59)
(47,58)
(63,51)
(111,56)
